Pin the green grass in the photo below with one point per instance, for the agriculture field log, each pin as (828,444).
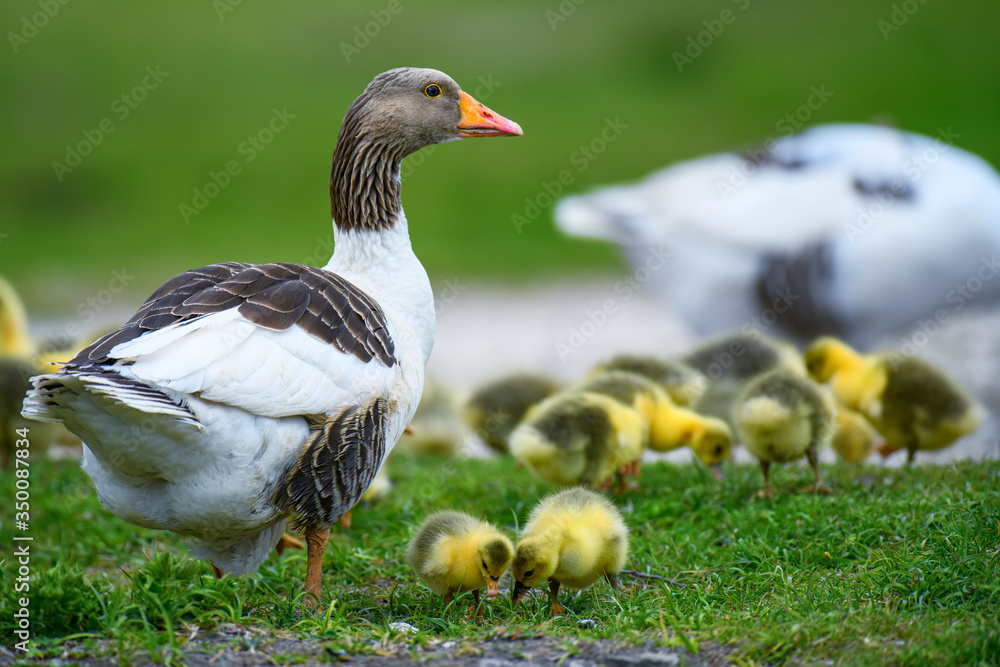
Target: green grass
(120,206)
(898,566)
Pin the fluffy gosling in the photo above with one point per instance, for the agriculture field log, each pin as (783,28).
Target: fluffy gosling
(579,438)
(454,552)
(572,538)
(912,404)
(782,417)
(683,384)
(494,410)
(436,427)
(729,362)
(854,438)
(670,426)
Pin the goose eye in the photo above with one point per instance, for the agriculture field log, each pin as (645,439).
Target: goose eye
(484,564)
(432,90)
(529,573)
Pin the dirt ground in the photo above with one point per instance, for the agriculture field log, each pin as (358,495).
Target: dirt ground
(234,646)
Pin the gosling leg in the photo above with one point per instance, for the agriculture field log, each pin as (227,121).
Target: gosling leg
(554,592)
(818,485)
(475,612)
(768,490)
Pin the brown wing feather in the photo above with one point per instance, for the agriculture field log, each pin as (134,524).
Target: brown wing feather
(338,462)
(275,296)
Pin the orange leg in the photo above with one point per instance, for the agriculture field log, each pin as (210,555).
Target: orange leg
(288,542)
(634,470)
(473,616)
(630,469)
(316,541)
(621,483)
(886,450)
(554,592)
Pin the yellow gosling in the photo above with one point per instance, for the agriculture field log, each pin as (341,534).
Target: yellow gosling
(579,438)
(572,538)
(782,417)
(494,410)
(436,428)
(670,426)
(854,438)
(683,384)
(14,339)
(911,403)
(455,553)
(731,361)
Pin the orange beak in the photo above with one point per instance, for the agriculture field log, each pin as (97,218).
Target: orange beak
(479,121)
(492,588)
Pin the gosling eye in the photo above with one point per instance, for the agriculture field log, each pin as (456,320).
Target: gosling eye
(433,90)
(718,450)
(529,573)
(484,565)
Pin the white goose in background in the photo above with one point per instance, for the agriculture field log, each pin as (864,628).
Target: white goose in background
(240,395)
(852,230)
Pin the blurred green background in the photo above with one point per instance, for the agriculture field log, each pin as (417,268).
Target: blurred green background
(228,65)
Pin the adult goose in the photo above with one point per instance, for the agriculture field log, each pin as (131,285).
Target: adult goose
(852,230)
(241,395)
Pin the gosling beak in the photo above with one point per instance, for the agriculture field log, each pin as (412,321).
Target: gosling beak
(492,587)
(518,592)
(479,121)
(717,472)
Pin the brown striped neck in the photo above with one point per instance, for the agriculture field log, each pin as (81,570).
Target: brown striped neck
(364,181)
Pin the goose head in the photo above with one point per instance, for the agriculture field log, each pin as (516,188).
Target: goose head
(400,112)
